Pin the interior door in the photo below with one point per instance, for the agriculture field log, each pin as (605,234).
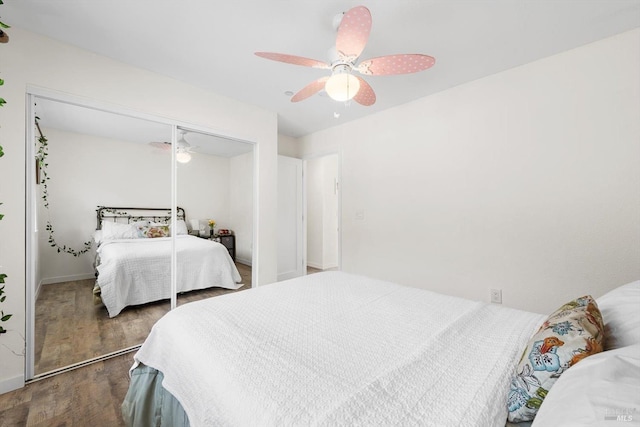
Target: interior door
(290,218)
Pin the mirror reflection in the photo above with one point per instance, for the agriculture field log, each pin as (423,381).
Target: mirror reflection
(88,158)
(215,180)
(103,275)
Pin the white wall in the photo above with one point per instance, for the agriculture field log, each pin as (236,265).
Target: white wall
(288,146)
(526,181)
(204,190)
(241,205)
(30,59)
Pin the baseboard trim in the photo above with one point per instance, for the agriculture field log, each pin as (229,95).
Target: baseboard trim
(314,265)
(321,267)
(11,384)
(71,278)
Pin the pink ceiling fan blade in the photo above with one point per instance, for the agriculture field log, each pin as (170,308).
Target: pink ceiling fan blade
(310,89)
(365,96)
(293,59)
(396,64)
(353,32)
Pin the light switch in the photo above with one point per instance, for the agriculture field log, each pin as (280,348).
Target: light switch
(360,215)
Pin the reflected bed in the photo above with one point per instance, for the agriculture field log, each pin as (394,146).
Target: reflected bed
(133,259)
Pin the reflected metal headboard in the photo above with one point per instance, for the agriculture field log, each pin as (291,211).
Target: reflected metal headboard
(128,215)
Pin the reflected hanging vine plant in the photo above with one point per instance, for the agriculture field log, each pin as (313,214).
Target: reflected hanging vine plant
(41,156)
(4,38)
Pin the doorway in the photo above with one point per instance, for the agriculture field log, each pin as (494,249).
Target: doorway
(322,189)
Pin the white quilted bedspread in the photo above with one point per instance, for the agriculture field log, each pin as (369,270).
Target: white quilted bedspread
(138,271)
(338,349)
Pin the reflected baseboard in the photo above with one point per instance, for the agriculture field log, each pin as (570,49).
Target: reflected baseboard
(71,278)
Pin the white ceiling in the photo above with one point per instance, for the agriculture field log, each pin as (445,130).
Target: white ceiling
(211,43)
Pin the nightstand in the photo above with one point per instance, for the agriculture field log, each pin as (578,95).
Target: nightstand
(229,242)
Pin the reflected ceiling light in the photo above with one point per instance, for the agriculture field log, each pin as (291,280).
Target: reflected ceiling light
(182,150)
(342,85)
(183,157)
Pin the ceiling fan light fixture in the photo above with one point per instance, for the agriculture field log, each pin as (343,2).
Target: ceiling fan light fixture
(342,85)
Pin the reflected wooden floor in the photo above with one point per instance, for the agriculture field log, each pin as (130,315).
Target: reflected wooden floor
(70,328)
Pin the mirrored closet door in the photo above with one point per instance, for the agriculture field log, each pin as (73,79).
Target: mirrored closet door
(214,179)
(106,190)
(95,173)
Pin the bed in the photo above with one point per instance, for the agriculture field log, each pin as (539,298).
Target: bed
(133,258)
(339,349)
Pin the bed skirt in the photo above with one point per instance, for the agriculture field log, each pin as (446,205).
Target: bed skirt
(147,403)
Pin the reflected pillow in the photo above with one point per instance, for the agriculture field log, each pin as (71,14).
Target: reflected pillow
(181,226)
(97,237)
(153,231)
(567,336)
(621,314)
(114,230)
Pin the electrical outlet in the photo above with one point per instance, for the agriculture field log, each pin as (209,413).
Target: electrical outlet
(496,296)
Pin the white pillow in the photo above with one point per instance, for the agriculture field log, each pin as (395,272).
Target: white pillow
(620,310)
(595,392)
(114,230)
(181,227)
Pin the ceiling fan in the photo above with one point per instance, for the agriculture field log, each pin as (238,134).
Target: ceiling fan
(183,148)
(342,85)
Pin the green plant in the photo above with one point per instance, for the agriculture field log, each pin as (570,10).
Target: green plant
(3,317)
(43,152)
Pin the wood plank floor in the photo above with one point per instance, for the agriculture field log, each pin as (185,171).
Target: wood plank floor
(86,396)
(70,328)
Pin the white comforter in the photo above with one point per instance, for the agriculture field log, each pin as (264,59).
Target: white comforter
(138,271)
(338,349)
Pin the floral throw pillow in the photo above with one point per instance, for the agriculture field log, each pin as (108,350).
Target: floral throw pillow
(570,334)
(151,231)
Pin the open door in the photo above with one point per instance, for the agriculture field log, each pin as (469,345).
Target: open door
(290,218)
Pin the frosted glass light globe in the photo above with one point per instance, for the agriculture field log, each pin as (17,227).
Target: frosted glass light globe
(342,86)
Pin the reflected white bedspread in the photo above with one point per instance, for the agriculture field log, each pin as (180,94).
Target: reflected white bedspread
(138,271)
(338,349)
